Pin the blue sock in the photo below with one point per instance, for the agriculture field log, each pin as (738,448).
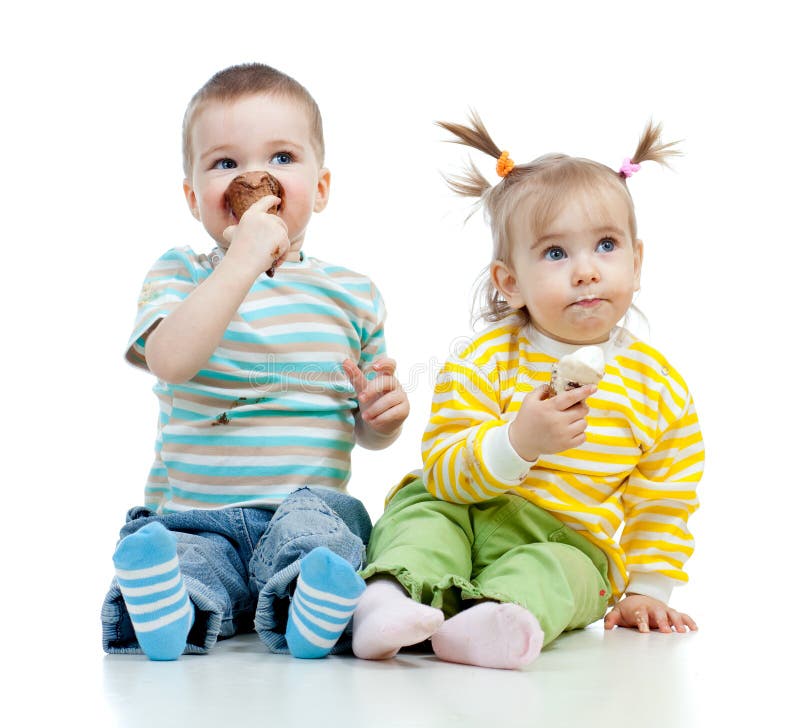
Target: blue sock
(327,592)
(147,571)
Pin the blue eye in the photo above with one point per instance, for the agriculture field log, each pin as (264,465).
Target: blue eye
(281,158)
(226,163)
(606,245)
(555,253)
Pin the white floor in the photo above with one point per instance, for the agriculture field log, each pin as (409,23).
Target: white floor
(715,677)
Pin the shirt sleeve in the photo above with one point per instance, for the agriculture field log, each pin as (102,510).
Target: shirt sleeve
(659,497)
(465,449)
(171,279)
(373,346)
(373,341)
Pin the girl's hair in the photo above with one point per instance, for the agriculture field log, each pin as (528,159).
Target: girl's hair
(536,190)
(247,79)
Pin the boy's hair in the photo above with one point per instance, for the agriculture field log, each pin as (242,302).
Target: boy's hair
(537,189)
(248,79)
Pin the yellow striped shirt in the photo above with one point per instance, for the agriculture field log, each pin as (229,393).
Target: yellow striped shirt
(638,468)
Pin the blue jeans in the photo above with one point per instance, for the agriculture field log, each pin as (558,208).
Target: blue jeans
(239,565)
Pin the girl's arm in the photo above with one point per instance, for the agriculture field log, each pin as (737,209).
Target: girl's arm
(474,451)
(645,613)
(659,497)
(465,426)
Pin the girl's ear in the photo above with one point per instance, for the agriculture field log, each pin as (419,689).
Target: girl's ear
(505,281)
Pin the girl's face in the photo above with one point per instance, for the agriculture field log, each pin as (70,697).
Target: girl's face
(261,132)
(577,277)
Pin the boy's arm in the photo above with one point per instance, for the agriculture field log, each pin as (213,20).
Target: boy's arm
(382,404)
(181,343)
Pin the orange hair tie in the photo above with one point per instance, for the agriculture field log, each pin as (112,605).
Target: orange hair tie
(504,164)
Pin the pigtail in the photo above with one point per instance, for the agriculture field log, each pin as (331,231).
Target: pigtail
(472,183)
(652,149)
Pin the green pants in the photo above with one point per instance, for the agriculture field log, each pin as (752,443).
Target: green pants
(505,549)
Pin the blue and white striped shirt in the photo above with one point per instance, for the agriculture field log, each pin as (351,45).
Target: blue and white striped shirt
(272,410)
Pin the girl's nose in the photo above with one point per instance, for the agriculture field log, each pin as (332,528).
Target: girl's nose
(584,271)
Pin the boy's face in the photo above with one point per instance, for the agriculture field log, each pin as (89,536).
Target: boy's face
(254,133)
(577,278)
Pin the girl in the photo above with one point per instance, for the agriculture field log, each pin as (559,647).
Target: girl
(508,537)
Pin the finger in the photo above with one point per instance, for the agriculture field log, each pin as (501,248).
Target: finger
(389,421)
(642,620)
(263,204)
(613,619)
(687,622)
(384,365)
(376,388)
(355,375)
(676,620)
(384,404)
(565,400)
(662,620)
(577,441)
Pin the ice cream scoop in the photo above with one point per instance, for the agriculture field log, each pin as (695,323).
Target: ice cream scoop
(248,188)
(584,366)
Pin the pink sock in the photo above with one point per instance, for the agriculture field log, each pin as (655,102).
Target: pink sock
(490,635)
(387,619)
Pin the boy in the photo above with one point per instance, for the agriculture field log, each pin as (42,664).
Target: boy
(246,517)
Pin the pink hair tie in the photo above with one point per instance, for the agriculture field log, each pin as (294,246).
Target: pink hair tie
(628,168)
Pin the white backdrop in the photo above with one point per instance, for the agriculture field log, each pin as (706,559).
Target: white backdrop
(91,195)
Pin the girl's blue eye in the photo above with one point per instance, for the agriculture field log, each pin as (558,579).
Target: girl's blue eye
(281,158)
(606,245)
(555,253)
(226,163)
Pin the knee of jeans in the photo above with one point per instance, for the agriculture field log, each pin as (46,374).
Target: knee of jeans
(350,509)
(296,532)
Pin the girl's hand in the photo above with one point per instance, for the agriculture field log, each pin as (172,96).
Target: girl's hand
(383,403)
(260,239)
(546,425)
(643,613)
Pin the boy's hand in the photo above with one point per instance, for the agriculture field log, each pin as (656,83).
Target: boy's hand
(643,613)
(383,403)
(260,239)
(546,425)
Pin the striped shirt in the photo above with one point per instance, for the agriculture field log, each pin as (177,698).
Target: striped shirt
(272,410)
(638,468)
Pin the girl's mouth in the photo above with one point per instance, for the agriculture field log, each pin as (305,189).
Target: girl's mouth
(587,301)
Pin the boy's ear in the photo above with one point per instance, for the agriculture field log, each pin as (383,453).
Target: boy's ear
(323,189)
(638,253)
(505,281)
(191,198)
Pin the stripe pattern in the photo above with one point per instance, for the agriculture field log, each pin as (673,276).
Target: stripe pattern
(148,575)
(155,597)
(639,466)
(326,595)
(272,410)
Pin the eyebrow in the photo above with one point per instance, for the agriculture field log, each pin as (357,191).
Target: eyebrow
(220,148)
(214,151)
(603,229)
